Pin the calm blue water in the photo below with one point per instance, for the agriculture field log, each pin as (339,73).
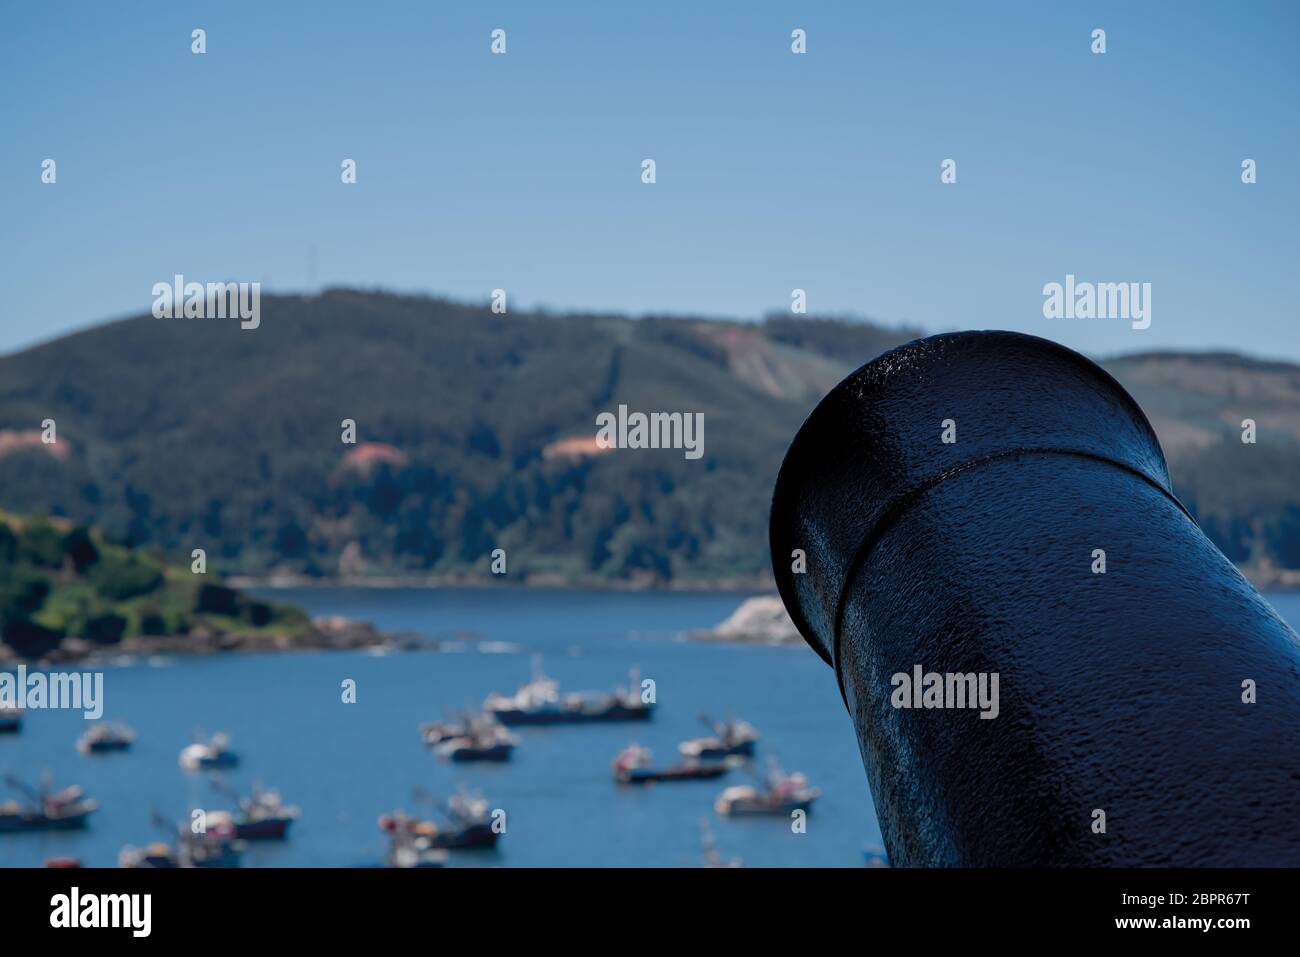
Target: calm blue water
(346,764)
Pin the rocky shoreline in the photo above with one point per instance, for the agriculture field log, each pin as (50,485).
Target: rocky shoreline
(285,581)
(334,633)
(761,619)
(1272,578)
(1263,577)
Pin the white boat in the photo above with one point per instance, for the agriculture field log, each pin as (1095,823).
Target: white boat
(484,739)
(540,702)
(47,809)
(263,816)
(730,738)
(435,733)
(408,850)
(632,766)
(153,855)
(217,846)
(103,737)
(782,794)
(213,753)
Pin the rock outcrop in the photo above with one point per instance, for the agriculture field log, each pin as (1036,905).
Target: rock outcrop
(760,620)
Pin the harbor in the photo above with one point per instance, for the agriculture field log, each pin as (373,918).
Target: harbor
(312,777)
(276,723)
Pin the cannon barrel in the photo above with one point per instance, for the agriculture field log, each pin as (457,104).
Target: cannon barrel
(1046,661)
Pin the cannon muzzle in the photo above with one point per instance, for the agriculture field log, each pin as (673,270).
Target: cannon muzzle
(1046,660)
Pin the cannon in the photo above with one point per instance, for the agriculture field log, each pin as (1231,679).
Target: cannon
(1046,661)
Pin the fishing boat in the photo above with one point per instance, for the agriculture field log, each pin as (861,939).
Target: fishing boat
(11,720)
(211,850)
(64,810)
(217,846)
(632,766)
(539,702)
(262,816)
(206,755)
(730,738)
(485,739)
(781,794)
(413,850)
(434,733)
(157,854)
(467,824)
(103,738)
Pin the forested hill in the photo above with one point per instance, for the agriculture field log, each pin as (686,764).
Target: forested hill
(476,431)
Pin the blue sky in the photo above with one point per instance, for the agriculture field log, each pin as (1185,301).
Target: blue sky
(775,171)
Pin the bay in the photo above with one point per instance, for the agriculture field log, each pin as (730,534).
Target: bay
(344,765)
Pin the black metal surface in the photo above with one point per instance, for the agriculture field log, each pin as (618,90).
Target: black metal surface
(1119,692)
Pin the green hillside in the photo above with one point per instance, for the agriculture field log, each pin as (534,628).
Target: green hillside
(1245,496)
(61,581)
(186,434)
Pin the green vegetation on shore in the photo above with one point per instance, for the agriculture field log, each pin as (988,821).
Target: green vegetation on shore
(62,581)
